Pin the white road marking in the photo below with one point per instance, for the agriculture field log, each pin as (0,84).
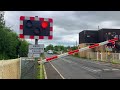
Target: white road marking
(57,70)
(86,68)
(99,63)
(66,60)
(115,69)
(111,69)
(106,69)
(91,70)
(45,72)
(97,70)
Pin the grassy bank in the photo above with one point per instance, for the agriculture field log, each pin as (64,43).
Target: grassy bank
(40,72)
(41,69)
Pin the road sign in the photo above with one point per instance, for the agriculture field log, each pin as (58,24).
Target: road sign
(36,48)
(33,55)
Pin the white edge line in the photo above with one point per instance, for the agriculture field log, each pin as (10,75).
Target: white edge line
(106,69)
(45,72)
(115,69)
(57,70)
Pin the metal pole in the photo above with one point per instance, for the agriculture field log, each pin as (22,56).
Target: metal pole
(76,43)
(36,59)
(36,41)
(98,28)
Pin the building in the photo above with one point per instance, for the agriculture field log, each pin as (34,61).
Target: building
(89,37)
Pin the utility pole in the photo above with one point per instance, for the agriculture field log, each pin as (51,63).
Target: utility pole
(76,43)
(98,28)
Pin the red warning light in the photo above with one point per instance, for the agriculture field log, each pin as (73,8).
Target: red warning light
(44,24)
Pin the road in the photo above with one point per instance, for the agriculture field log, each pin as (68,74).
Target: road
(51,70)
(71,67)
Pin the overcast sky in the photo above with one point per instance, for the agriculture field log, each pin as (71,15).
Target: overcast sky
(67,24)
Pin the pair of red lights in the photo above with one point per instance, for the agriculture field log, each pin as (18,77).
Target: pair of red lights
(44,24)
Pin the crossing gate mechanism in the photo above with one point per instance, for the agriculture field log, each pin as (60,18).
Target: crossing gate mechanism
(78,50)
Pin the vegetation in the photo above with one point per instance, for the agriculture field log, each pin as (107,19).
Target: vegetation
(40,70)
(40,74)
(10,45)
(58,48)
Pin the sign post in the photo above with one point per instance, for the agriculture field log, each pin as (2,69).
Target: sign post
(36,59)
(35,28)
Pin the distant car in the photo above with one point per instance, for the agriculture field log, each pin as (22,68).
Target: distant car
(50,52)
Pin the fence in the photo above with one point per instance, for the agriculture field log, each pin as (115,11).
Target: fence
(104,56)
(28,68)
(10,69)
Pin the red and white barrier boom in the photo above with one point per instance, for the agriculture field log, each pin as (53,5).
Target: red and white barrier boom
(78,50)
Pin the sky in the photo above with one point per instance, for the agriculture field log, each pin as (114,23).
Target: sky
(67,24)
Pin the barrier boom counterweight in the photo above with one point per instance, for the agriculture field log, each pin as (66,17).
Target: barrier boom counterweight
(78,50)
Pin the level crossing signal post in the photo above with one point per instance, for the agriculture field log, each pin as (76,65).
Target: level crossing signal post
(35,28)
(36,59)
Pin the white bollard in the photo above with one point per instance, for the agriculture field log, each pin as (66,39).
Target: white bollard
(101,56)
(119,56)
(97,55)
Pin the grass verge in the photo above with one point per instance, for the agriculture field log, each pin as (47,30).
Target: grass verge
(115,62)
(40,74)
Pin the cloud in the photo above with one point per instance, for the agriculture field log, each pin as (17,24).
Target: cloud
(67,24)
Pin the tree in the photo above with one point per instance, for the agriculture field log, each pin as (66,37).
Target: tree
(49,47)
(55,48)
(74,47)
(62,48)
(2,22)
(10,44)
(23,51)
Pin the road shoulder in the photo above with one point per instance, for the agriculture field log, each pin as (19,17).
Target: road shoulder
(51,72)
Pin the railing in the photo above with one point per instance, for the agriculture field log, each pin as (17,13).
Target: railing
(104,56)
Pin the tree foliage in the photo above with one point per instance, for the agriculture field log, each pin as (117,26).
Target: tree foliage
(60,48)
(2,22)
(23,50)
(10,45)
(49,47)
